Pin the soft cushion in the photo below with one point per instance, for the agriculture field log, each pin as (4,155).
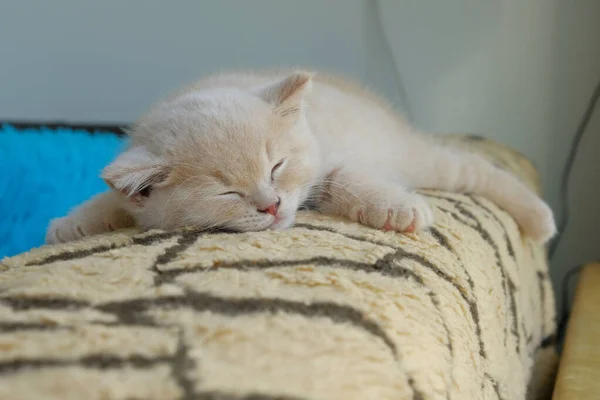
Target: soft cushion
(46,172)
(326,310)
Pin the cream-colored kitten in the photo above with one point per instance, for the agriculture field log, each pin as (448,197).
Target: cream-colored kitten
(243,151)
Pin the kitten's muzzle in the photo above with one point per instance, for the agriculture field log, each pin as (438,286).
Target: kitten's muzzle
(273,208)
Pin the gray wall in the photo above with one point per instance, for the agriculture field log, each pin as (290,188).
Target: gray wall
(108,60)
(519,71)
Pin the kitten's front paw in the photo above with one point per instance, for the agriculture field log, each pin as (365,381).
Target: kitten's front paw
(62,230)
(404,213)
(78,225)
(538,222)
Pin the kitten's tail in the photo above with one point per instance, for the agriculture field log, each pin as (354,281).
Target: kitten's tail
(456,170)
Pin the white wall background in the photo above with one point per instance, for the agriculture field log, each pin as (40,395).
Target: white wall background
(520,71)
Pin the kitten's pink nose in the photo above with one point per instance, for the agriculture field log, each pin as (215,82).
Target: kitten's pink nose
(272,209)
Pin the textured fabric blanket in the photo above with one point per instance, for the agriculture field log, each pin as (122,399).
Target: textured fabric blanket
(326,310)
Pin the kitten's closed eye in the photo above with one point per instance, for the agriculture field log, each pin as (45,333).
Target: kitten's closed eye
(145,192)
(276,168)
(232,193)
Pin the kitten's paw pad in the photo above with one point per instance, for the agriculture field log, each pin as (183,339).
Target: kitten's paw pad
(411,228)
(62,230)
(388,222)
(409,214)
(538,223)
(389,226)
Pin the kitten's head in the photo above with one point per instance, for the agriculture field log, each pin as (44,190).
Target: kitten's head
(226,158)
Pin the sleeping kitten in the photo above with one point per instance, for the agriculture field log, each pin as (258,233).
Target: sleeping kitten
(243,151)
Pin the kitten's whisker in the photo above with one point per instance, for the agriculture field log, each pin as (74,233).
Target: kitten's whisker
(192,192)
(193,167)
(173,191)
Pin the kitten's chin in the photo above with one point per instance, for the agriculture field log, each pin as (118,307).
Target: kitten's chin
(282,223)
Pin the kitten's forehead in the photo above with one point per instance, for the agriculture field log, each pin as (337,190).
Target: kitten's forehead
(210,119)
(240,164)
(201,113)
(222,108)
(223,135)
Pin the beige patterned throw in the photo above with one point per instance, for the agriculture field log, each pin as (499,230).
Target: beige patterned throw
(326,310)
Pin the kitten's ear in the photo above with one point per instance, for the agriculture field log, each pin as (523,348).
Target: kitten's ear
(287,96)
(135,172)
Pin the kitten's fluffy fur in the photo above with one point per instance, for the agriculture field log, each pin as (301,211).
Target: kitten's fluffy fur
(243,151)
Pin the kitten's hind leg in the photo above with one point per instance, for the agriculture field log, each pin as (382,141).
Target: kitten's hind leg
(102,213)
(374,202)
(450,169)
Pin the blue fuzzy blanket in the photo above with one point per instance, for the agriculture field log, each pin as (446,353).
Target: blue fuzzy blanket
(44,173)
